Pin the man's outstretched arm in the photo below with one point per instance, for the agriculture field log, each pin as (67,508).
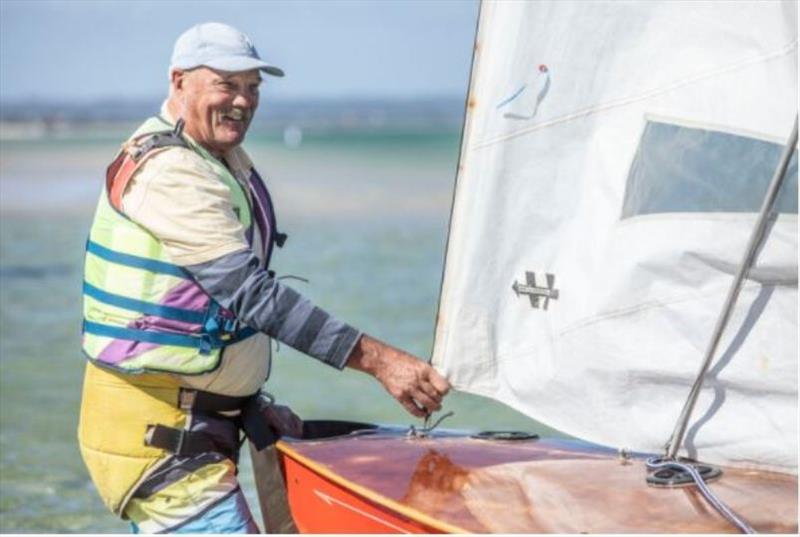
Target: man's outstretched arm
(262,302)
(414,383)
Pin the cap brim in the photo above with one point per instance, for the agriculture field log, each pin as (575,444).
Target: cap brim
(243,63)
(272,70)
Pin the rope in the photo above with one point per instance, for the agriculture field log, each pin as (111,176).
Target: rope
(293,277)
(656,463)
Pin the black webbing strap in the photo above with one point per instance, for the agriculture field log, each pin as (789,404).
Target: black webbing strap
(258,430)
(201,401)
(179,441)
(158,140)
(252,420)
(182,442)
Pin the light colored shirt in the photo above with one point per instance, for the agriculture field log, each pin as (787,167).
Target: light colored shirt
(177,196)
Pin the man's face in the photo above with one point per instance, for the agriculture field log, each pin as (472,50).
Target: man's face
(217,106)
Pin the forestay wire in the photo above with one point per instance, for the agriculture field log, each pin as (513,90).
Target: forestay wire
(756,238)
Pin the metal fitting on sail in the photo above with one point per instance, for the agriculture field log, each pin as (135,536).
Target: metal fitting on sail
(534,292)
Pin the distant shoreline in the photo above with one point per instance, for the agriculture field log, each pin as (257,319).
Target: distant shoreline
(35,131)
(34,119)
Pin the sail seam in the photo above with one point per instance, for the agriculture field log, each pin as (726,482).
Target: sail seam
(622,312)
(786,49)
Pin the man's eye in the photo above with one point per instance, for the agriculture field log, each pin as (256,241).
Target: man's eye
(227,86)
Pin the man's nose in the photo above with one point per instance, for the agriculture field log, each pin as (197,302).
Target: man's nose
(243,100)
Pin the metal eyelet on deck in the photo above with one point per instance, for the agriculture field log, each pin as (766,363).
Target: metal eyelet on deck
(505,435)
(673,476)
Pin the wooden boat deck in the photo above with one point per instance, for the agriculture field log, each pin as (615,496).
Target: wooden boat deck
(385,482)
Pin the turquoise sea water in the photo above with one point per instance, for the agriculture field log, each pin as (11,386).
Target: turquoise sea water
(367,217)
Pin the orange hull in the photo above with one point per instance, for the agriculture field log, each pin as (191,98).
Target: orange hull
(322,504)
(388,483)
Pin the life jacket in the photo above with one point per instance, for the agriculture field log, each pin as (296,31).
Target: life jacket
(116,410)
(141,312)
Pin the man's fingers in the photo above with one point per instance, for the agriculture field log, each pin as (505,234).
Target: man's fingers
(438,382)
(412,408)
(428,403)
(428,389)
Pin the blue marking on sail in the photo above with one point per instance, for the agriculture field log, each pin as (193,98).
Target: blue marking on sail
(528,109)
(514,96)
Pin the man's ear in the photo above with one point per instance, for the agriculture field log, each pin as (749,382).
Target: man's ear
(177,79)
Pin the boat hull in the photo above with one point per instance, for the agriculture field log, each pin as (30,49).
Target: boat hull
(387,482)
(323,504)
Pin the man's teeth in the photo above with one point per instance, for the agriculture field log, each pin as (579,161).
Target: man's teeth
(236,115)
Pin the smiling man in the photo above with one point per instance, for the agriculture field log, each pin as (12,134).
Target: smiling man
(180,306)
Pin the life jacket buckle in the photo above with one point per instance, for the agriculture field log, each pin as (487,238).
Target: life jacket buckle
(231,325)
(186,399)
(134,149)
(168,438)
(181,442)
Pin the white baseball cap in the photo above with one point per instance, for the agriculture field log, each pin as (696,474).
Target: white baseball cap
(218,46)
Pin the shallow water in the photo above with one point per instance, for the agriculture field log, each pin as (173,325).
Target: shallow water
(367,218)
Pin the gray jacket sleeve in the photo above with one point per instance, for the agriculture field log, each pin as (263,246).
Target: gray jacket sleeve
(265,304)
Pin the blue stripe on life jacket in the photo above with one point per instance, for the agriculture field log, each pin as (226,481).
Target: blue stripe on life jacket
(133,334)
(140,306)
(164,338)
(135,261)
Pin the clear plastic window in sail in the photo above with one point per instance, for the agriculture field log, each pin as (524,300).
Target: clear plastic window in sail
(680,169)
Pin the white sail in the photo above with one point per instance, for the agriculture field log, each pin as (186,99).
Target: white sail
(632,174)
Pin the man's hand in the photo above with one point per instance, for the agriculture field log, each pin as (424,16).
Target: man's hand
(414,383)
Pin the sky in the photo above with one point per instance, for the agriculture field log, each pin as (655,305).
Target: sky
(80,50)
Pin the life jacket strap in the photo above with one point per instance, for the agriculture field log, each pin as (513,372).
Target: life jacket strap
(203,343)
(157,140)
(147,308)
(135,261)
(200,401)
(182,442)
(251,419)
(219,329)
(134,153)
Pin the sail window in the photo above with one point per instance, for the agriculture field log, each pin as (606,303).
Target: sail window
(688,170)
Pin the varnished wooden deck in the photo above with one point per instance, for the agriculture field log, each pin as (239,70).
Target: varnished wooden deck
(385,482)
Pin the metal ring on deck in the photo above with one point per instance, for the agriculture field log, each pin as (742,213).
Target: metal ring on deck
(693,470)
(674,476)
(505,435)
